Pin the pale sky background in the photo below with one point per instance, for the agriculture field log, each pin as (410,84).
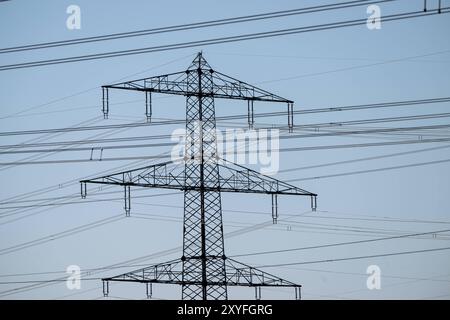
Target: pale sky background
(326,69)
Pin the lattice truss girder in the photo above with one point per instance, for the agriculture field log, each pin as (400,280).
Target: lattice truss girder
(171,175)
(223,86)
(237,274)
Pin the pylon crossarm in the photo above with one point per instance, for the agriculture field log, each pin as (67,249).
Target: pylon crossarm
(232,88)
(237,274)
(235,176)
(163,272)
(163,175)
(173,83)
(240,274)
(224,87)
(170,175)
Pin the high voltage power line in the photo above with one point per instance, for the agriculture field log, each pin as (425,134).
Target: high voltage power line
(165,144)
(338,244)
(307,227)
(86,227)
(293,149)
(411,165)
(229,39)
(74,129)
(239,255)
(46,137)
(46,104)
(73,202)
(268,114)
(58,187)
(310,225)
(145,257)
(196,25)
(323,134)
(84,122)
(363,159)
(2,203)
(54,204)
(82,228)
(49,189)
(62,234)
(105,134)
(166,136)
(390,254)
(265,252)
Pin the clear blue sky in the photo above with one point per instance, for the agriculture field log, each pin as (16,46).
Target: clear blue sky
(324,69)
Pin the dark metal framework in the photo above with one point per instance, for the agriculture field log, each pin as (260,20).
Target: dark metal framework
(204,271)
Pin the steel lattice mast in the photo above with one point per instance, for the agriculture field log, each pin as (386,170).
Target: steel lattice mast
(204,271)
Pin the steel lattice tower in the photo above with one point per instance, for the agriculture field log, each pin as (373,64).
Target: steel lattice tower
(202,206)
(204,271)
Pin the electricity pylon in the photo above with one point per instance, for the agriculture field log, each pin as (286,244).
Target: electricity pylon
(204,271)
